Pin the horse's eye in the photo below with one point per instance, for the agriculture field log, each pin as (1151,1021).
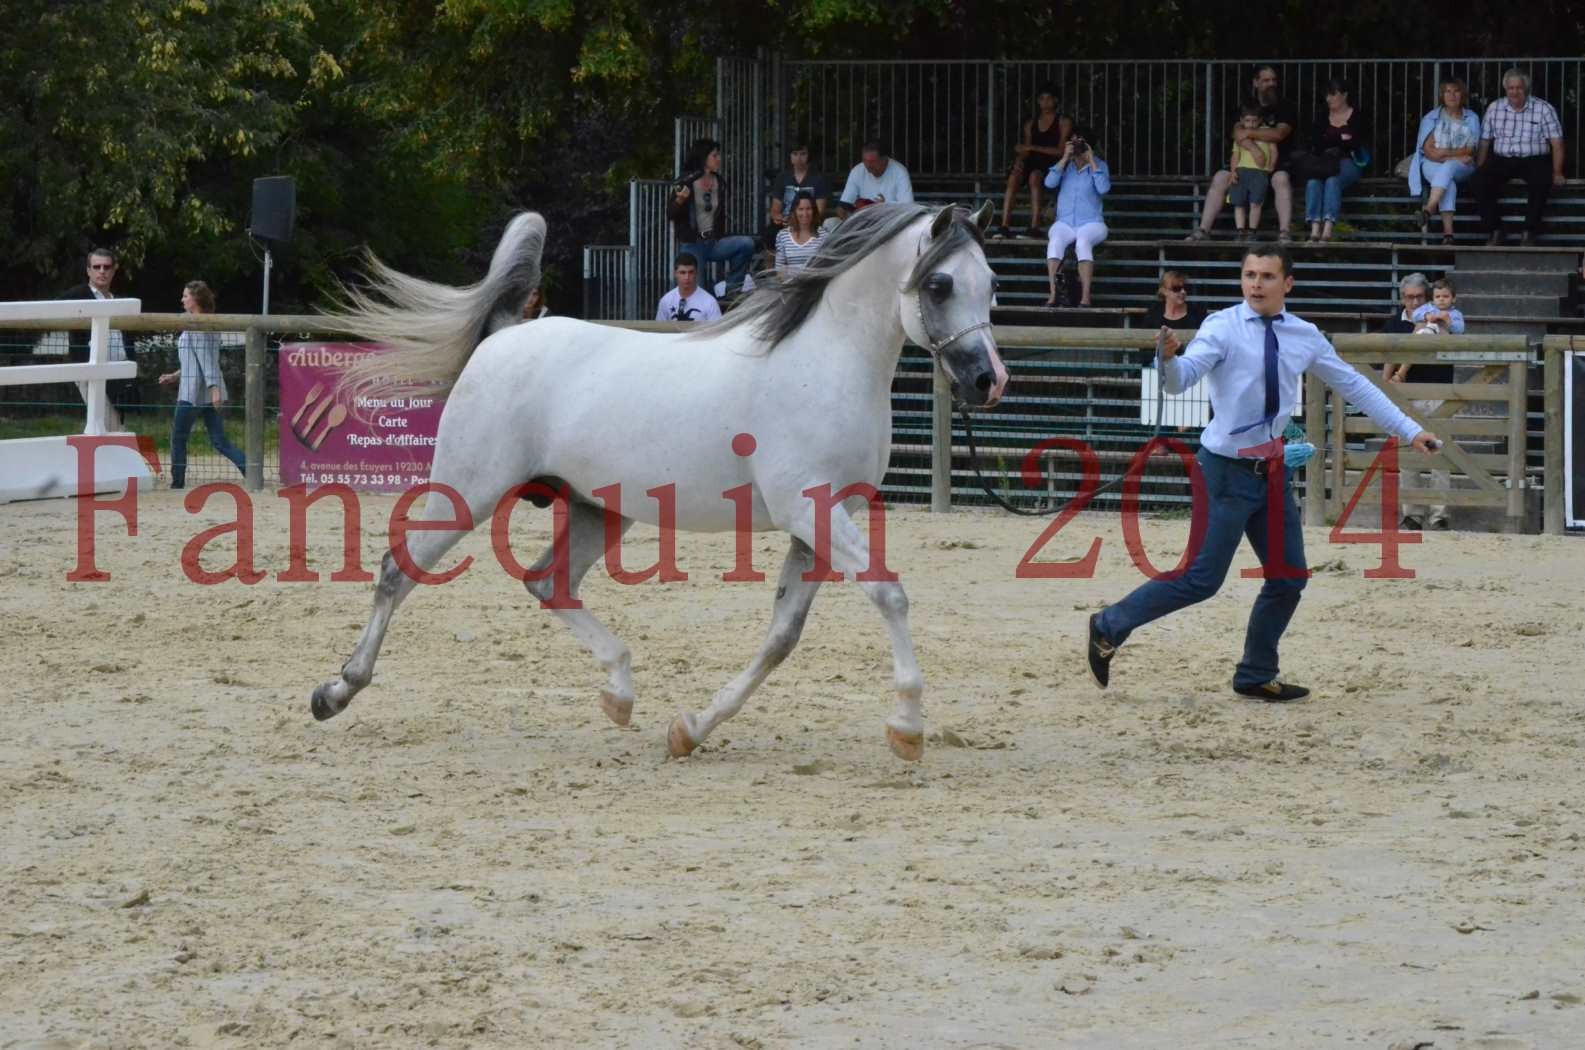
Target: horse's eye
(939,285)
(996,284)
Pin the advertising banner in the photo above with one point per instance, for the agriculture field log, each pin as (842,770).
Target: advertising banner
(382,445)
(1574,440)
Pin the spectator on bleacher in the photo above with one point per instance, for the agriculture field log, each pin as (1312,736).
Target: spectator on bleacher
(1444,155)
(118,392)
(875,179)
(796,180)
(1252,164)
(797,244)
(1171,309)
(1518,137)
(1437,317)
(698,215)
(1044,137)
(1340,148)
(1413,291)
(1081,179)
(200,388)
(687,301)
(1440,316)
(1278,119)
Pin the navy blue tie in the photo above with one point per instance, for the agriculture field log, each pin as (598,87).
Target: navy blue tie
(1272,395)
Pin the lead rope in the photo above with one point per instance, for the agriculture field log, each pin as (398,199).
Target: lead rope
(1040,512)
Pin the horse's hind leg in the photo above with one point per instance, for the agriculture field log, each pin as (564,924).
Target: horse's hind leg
(426,549)
(794,595)
(586,542)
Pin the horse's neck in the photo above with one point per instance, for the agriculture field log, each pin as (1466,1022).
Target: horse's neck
(857,326)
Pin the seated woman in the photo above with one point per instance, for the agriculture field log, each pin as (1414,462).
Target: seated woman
(1340,137)
(1444,154)
(1043,139)
(798,241)
(1081,179)
(1172,309)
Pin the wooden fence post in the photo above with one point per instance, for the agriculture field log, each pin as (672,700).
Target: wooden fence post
(253,361)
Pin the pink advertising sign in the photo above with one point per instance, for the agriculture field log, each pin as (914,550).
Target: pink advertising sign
(382,445)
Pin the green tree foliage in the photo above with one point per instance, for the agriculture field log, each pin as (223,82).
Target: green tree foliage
(416,126)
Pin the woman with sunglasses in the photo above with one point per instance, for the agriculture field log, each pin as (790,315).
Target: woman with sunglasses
(1173,309)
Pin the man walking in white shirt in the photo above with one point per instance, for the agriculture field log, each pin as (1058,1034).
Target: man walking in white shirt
(1252,356)
(687,301)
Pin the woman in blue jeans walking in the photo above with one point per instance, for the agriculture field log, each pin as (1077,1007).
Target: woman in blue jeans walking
(200,388)
(1340,134)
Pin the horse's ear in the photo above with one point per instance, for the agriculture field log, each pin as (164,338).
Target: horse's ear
(982,216)
(943,220)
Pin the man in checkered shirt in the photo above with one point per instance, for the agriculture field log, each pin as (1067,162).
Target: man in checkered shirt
(1521,138)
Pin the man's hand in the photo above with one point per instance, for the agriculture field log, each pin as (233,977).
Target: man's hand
(1232,174)
(1021,149)
(1558,179)
(170,378)
(1171,345)
(684,193)
(1426,442)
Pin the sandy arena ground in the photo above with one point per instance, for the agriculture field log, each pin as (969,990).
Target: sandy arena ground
(472,856)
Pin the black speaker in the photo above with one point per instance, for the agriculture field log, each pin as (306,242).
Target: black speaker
(274,208)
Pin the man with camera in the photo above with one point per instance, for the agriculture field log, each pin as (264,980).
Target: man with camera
(697,211)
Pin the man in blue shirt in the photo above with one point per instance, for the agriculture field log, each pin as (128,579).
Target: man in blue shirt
(1251,356)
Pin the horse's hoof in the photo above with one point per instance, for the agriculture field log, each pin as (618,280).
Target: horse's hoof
(616,709)
(324,707)
(910,747)
(679,742)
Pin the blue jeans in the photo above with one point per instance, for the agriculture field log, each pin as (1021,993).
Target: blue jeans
(737,252)
(1323,199)
(186,413)
(1446,174)
(1236,500)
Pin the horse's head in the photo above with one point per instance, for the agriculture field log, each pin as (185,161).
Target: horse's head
(946,306)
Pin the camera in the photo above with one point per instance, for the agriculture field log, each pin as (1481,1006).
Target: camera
(1080,147)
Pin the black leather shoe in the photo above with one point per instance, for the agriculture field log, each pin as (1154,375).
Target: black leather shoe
(1273,692)
(1100,652)
(1410,523)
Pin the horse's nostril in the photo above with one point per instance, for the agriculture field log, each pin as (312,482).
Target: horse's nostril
(984,381)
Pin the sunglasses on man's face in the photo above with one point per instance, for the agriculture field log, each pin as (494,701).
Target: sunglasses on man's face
(102,266)
(1177,287)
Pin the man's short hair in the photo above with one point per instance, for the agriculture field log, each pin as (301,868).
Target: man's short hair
(1414,280)
(102,253)
(1444,285)
(685,259)
(875,146)
(1046,88)
(1250,109)
(1516,74)
(1265,66)
(1271,250)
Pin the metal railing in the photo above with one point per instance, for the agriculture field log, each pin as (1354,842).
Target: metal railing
(1146,118)
(608,286)
(653,246)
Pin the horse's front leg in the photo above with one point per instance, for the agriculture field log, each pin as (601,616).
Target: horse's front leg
(794,595)
(850,555)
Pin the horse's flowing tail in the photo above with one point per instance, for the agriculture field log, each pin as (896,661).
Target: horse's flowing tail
(432,329)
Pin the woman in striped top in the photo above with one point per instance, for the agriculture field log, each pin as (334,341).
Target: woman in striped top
(797,244)
(200,388)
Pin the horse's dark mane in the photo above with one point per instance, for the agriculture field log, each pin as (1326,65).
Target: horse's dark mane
(780,305)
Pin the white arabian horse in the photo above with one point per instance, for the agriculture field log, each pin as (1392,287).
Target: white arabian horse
(804,365)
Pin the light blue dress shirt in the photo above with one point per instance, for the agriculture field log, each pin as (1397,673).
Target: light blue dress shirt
(1229,352)
(1079,193)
